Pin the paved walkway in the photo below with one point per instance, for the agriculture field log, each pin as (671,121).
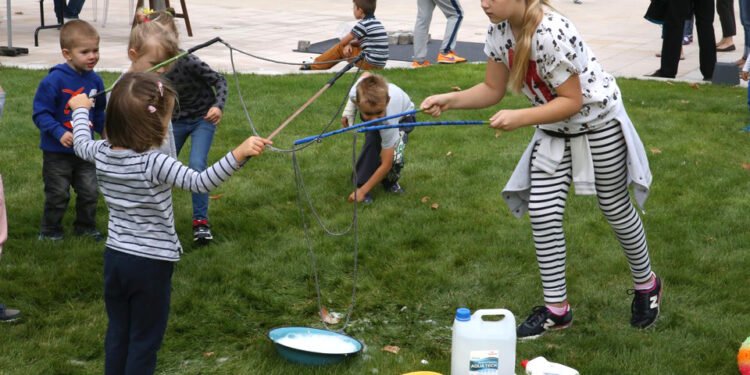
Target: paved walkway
(623,41)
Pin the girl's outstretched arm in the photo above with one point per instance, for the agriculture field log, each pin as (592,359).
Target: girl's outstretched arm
(483,95)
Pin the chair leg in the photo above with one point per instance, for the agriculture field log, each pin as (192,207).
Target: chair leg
(187,18)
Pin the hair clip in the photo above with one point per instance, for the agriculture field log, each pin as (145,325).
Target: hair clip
(151,108)
(161,88)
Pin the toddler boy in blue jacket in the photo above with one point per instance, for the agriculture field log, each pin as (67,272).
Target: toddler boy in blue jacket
(61,167)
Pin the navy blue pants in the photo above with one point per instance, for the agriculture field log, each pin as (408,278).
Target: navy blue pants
(136,294)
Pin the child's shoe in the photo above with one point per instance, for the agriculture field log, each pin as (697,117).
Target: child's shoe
(50,237)
(8,315)
(368,199)
(449,58)
(417,64)
(542,320)
(396,189)
(201,232)
(93,233)
(645,306)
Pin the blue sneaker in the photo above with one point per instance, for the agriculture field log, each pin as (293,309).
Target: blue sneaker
(8,315)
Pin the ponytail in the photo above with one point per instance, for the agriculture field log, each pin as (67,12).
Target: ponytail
(531,18)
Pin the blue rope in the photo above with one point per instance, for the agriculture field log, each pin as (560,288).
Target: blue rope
(424,123)
(324,135)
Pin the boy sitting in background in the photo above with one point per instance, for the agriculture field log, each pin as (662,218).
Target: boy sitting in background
(62,168)
(382,157)
(368,36)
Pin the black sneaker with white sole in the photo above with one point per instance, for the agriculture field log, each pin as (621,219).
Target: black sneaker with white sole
(542,320)
(645,306)
(202,232)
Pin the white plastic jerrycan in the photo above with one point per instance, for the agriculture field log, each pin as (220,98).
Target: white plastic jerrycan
(484,343)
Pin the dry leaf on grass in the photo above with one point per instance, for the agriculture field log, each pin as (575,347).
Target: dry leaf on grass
(435,206)
(497,134)
(425,199)
(208,354)
(328,317)
(448,154)
(456,88)
(655,151)
(695,86)
(214,197)
(669,83)
(710,239)
(685,101)
(746,166)
(391,349)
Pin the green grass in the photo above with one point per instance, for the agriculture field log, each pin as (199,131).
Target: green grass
(417,265)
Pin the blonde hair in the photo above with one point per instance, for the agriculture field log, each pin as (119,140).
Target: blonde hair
(75,30)
(143,32)
(531,18)
(164,17)
(372,89)
(136,111)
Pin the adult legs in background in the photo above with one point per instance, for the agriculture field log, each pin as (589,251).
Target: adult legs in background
(422,28)
(704,21)
(454,15)
(745,21)
(725,9)
(68,9)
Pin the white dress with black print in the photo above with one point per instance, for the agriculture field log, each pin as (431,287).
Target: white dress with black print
(558,51)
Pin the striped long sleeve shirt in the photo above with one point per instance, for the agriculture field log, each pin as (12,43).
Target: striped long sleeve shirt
(137,188)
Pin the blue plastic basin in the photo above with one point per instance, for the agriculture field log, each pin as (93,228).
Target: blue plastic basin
(307,357)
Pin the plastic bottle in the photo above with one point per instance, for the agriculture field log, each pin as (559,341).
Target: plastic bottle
(743,357)
(541,366)
(482,346)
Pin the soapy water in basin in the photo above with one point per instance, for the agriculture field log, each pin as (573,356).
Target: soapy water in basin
(318,343)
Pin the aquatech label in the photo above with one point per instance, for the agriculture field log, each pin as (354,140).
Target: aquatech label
(484,362)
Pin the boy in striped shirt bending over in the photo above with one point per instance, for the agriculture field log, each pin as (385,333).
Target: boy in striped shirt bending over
(368,37)
(136,181)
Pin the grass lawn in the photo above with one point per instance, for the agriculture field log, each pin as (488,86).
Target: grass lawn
(416,264)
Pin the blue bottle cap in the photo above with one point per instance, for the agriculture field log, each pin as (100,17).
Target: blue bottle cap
(463,314)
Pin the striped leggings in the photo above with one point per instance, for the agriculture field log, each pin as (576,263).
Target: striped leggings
(547,206)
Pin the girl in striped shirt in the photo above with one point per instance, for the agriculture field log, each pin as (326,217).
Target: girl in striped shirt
(136,181)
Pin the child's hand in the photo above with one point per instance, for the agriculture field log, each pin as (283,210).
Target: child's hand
(743,75)
(436,104)
(214,115)
(506,119)
(67,139)
(344,122)
(347,52)
(252,146)
(80,101)
(360,196)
